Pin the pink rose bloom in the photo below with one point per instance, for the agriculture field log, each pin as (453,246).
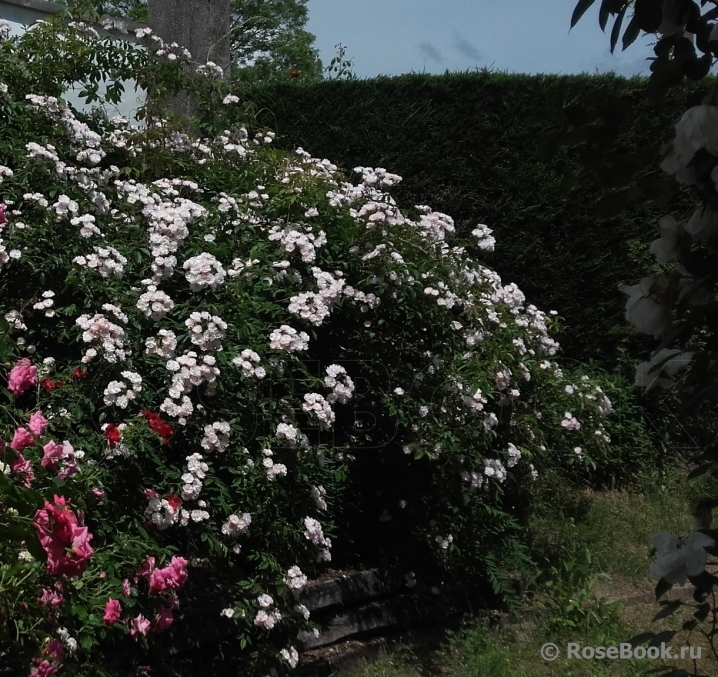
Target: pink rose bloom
(112,611)
(21,440)
(23,467)
(172,577)
(81,547)
(3,218)
(42,668)
(179,570)
(139,626)
(55,650)
(150,494)
(147,567)
(126,588)
(70,468)
(54,453)
(98,493)
(66,543)
(22,377)
(160,581)
(51,598)
(164,620)
(38,423)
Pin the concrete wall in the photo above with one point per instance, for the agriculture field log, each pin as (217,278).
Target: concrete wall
(202,26)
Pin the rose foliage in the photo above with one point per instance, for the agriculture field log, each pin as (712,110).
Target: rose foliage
(223,358)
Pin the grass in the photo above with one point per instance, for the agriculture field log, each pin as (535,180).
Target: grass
(591,548)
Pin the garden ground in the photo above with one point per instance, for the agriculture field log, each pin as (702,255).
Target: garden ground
(594,547)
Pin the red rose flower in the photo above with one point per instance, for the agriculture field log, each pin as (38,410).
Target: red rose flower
(174,501)
(163,429)
(294,73)
(49,385)
(113,435)
(79,372)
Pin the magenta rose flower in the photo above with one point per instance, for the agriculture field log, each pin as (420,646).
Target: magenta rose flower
(139,626)
(22,439)
(38,423)
(163,620)
(65,541)
(112,611)
(22,377)
(51,598)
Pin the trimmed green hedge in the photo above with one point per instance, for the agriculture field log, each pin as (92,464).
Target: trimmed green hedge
(467,145)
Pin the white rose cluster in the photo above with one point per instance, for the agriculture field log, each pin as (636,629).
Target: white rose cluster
(155,303)
(164,344)
(235,525)
(106,260)
(288,339)
(204,271)
(314,533)
(316,307)
(190,372)
(162,513)
(247,360)
(484,238)
(295,579)
(570,422)
(340,382)
(207,337)
(316,406)
(46,304)
(272,469)
(119,393)
(318,494)
(216,437)
(109,335)
(192,479)
(290,238)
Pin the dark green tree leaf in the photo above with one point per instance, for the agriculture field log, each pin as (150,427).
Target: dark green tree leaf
(580,10)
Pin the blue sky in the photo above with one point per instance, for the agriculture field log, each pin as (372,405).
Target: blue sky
(391,37)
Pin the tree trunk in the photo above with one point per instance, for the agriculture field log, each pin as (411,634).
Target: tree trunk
(202,26)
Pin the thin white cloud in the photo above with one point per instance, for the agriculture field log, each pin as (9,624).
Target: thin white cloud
(466,48)
(429,51)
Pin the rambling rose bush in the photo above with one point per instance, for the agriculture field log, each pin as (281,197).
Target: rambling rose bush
(227,361)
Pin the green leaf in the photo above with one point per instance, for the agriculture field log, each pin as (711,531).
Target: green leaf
(696,69)
(632,31)
(580,10)
(648,14)
(616,30)
(608,7)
